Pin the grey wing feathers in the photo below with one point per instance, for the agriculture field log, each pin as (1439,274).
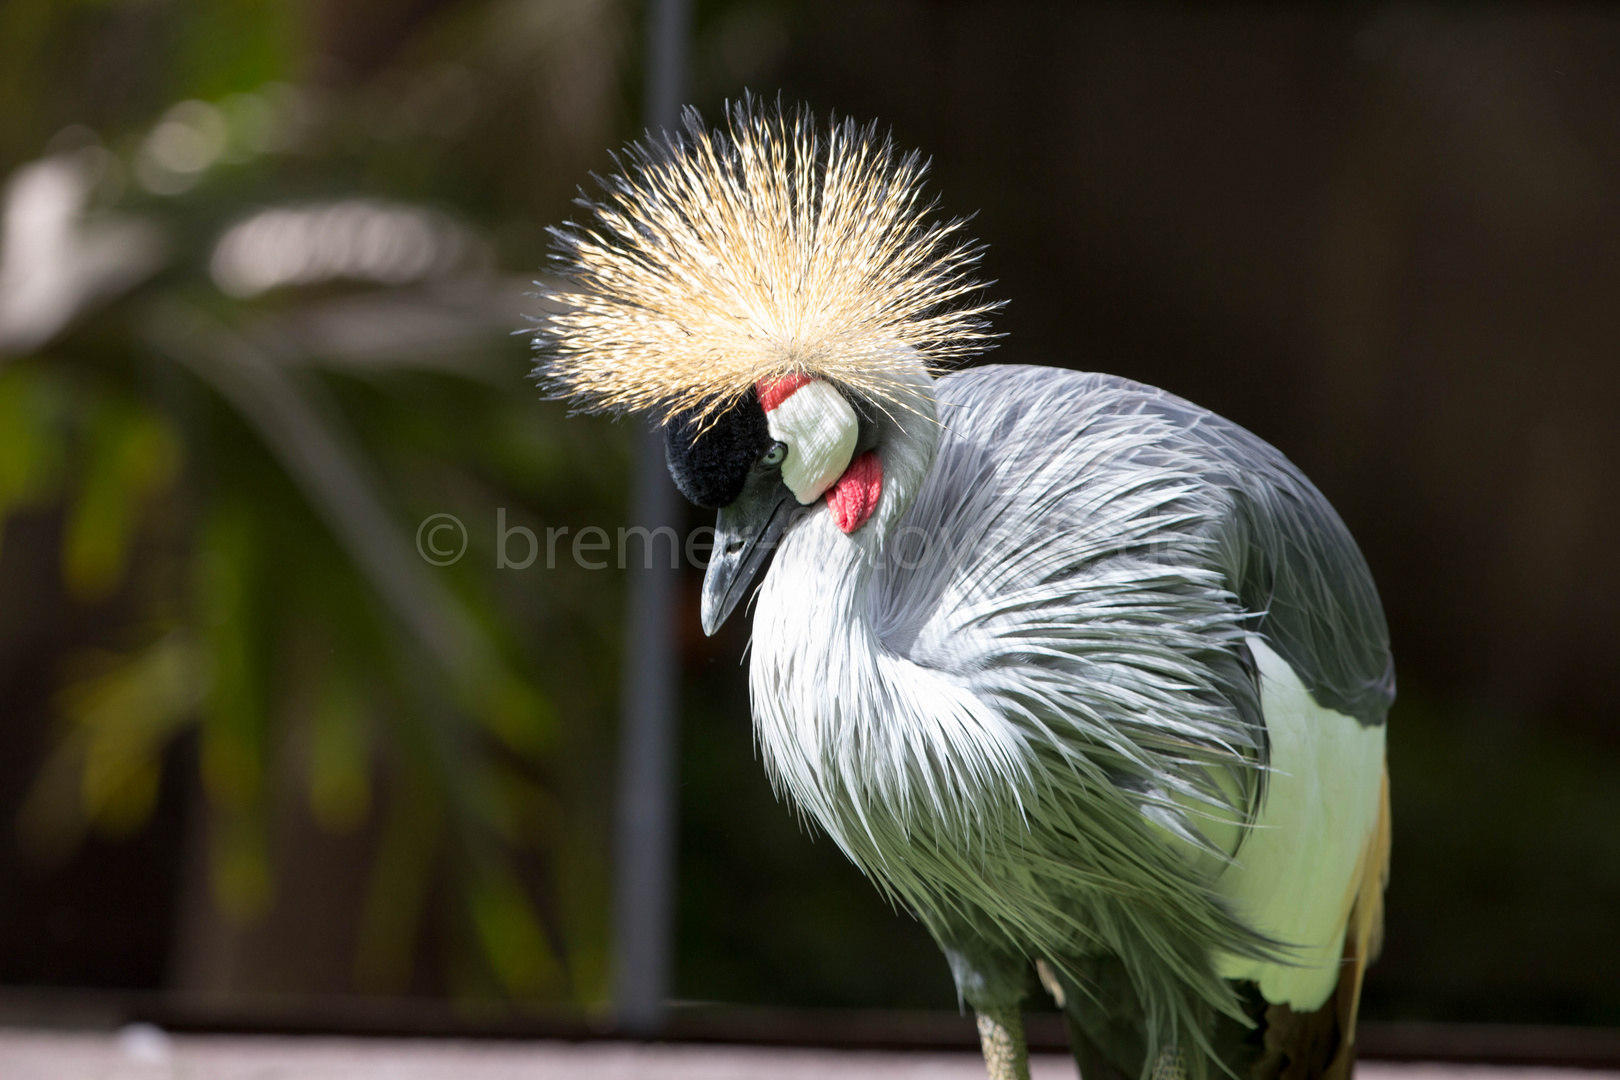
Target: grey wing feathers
(1294,565)
(1282,549)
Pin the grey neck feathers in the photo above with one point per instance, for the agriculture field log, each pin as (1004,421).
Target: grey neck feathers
(861,738)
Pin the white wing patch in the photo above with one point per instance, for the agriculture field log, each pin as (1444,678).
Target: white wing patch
(1297,872)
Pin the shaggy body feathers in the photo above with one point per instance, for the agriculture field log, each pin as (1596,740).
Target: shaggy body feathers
(1022,698)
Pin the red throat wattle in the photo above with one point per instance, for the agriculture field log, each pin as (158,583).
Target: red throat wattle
(853,498)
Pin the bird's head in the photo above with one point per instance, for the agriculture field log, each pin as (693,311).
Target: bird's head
(788,448)
(774,293)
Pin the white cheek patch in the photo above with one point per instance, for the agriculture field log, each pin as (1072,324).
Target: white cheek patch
(819,428)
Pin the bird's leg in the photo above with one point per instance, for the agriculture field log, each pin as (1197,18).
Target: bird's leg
(1001,1037)
(991,975)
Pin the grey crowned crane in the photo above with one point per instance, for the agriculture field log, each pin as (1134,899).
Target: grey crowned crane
(1090,680)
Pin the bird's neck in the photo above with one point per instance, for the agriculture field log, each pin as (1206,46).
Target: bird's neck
(906,441)
(818,663)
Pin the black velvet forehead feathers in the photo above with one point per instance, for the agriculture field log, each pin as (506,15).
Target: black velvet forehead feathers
(711,468)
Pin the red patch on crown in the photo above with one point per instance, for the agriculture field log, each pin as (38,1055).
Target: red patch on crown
(772,392)
(853,498)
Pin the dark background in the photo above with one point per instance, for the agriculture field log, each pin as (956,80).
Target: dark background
(1384,238)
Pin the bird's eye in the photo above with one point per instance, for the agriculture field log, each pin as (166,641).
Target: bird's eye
(775,455)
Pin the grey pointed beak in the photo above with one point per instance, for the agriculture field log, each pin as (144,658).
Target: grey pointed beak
(746,533)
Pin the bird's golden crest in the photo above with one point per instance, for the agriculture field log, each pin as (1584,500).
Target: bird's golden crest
(717,258)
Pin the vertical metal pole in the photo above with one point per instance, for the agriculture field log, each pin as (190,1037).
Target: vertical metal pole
(644,857)
(668,33)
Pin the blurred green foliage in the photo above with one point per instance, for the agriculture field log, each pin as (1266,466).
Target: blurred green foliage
(238,472)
